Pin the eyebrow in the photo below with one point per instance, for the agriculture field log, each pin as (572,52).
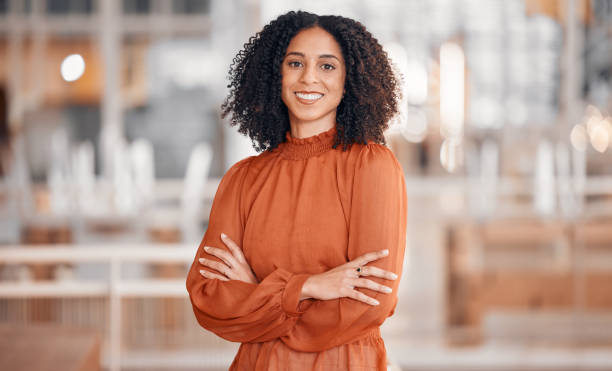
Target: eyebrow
(320,56)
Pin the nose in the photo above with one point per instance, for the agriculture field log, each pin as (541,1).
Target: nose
(309,74)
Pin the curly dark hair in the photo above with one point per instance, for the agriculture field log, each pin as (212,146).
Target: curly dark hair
(254,100)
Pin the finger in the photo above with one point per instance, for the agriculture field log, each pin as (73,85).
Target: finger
(234,248)
(377,272)
(369,257)
(369,284)
(218,266)
(224,255)
(212,275)
(362,297)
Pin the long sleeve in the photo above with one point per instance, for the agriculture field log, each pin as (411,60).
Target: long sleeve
(377,220)
(236,310)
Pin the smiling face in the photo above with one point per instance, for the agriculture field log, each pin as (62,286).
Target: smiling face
(313,74)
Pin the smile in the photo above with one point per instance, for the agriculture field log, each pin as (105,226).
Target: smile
(310,97)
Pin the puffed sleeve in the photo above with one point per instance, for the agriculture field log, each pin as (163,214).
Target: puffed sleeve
(377,221)
(236,310)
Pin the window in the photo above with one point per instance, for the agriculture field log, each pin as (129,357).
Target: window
(19,7)
(136,6)
(190,6)
(62,7)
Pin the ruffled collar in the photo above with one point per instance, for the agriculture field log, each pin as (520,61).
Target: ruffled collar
(302,148)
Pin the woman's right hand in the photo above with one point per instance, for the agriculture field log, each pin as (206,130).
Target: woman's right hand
(341,281)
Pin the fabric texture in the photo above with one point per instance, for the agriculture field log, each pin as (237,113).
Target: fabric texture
(298,210)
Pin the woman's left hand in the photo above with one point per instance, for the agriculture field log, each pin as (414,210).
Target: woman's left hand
(233,264)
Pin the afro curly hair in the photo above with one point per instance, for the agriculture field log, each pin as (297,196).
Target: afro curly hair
(254,100)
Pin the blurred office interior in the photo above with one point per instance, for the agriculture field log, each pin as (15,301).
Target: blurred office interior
(112,149)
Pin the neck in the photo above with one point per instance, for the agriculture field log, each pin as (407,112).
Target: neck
(305,129)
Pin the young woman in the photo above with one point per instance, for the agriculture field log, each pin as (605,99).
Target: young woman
(305,243)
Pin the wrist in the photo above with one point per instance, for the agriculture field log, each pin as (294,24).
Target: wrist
(305,293)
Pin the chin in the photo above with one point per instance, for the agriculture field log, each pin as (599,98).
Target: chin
(306,117)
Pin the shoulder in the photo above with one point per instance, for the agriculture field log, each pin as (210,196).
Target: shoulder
(375,158)
(377,175)
(235,175)
(240,166)
(249,165)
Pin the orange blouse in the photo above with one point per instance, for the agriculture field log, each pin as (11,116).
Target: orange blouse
(298,210)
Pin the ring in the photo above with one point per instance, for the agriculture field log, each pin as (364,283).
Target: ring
(358,270)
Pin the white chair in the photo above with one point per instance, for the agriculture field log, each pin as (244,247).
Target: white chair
(84,177)
(143,171)
(194,184)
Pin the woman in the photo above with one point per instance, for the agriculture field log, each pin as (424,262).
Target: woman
(305,241)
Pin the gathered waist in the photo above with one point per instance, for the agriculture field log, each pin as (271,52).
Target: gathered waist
(372,334)
(366,352)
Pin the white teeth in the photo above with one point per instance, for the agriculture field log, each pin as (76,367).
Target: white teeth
(313,96)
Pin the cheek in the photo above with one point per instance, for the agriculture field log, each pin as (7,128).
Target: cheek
(336,85)
(284,87)
(287,80)
(337,81)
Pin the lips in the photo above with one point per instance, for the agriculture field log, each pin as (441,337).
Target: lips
(307,97)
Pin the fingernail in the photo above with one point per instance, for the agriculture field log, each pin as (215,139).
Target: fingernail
(387,289)
(394,276)
(376,302)
(206,248)
(201,260)
(202,271)
(385,252)
(223,235)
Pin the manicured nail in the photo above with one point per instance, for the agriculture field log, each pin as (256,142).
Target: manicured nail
(375,302)
(223,235)
(385,252)
(201,260)
(393,276)
(206,248)
(202,272)
(387,289)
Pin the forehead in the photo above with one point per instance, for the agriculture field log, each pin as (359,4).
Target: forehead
(314,41)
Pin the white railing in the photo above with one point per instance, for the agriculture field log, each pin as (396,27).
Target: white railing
(114,288)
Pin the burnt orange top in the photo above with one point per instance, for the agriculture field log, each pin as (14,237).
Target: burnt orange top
(302,209)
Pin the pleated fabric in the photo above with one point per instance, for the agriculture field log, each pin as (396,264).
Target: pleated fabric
(298,210)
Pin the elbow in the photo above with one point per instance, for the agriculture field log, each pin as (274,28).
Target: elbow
(201,310)
(192,286)
(385,309)
(196,287)
(189,282)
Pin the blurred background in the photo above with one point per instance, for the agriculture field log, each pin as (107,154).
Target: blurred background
(112,148)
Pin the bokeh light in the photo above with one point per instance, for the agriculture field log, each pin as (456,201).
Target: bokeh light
(452,86)
(578,137)
(451,154)
(72,67)
(415,128)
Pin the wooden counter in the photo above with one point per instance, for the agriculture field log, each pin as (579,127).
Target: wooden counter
(48,348)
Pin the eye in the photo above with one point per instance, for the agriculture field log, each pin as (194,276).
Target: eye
(328,67)
(294,64)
